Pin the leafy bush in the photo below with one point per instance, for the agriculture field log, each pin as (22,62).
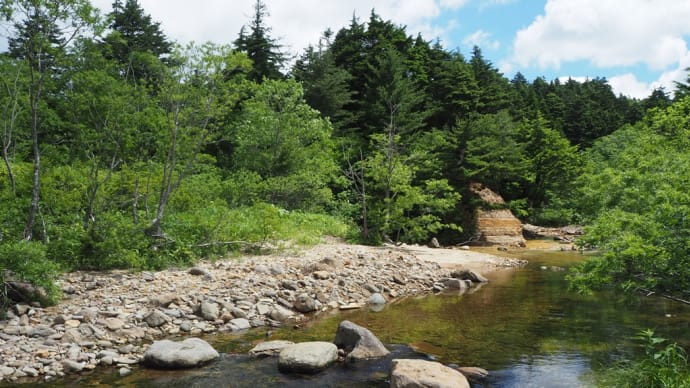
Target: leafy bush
(663,366)
(26,261)
(113,241)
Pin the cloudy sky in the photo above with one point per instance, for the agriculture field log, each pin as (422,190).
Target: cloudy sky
(636,44)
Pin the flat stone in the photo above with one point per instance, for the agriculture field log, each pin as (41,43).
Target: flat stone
(321,275)
(190,353)
(307,357)
(421,373)
(114,323)
(72,366)
(238,324)
(156,318)
(269,348)
(351,306)
(280,313)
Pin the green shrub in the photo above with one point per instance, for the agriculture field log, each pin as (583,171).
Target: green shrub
(663,366)
(113,241)
(26,261)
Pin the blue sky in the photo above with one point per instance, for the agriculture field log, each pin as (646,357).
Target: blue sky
(636,44)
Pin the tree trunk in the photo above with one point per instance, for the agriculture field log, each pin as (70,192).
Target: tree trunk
(34,96)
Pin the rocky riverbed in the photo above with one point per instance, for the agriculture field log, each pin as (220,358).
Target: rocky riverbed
(110,319)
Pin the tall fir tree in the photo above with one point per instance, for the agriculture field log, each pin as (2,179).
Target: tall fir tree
(136,42)
(260,47)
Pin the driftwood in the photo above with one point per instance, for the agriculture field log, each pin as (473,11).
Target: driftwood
(671,297)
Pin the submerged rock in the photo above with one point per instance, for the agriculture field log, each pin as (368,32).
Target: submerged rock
(358,342)
(307,357)
(269,348)
(421,373)
(190,353)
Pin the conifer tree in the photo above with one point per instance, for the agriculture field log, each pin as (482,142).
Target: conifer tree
(260,47)
(136,42)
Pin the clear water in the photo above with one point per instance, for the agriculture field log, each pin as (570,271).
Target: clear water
(525,327)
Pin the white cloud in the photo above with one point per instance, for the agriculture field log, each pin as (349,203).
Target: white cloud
(482,39)
(296,23)
(628,85)
(453,4)
(607,33)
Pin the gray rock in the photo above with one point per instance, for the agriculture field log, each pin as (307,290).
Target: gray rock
(371,288)
(290,285)
(276,269)
(468,274)
(304,303)
(124,371)
(238,324)
(280,313)
(262,309)
(190,353)
(269,348)
(156,318)
(321,275)
(358,342)
(164,300)
(40,331)
(377,299)
(263,269)
(71,366)
(114,323)
(434,243)
(307,357)
(238,313)
(22,309)
(454,284)
(422,373)
(209,311)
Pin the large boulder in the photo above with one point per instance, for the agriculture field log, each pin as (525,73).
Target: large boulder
(358,342)
(190,353)
(307,357)
(422,373)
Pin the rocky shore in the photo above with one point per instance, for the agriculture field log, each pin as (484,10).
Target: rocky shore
(110,319)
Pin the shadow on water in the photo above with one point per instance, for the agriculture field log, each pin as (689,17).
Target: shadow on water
(525,327)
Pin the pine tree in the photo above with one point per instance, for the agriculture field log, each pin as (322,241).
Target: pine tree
(260,47)
(136,42)
(326,86)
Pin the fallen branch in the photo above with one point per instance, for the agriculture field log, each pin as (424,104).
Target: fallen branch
(671,297)
(212,244)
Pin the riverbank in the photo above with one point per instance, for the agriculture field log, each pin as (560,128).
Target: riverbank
(108,319)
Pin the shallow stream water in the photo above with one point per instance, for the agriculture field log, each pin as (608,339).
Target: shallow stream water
(525,327)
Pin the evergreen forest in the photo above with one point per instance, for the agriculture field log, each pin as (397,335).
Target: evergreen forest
(122,149)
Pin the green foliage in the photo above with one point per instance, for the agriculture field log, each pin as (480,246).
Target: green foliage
(635,192)
(26,261)
(284,142)
(663,366)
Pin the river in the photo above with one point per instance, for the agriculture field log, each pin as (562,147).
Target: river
(525,327)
